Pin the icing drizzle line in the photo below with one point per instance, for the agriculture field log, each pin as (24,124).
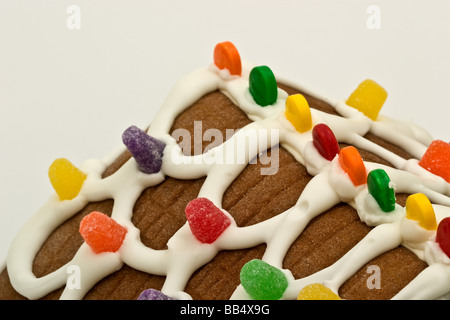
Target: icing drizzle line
(185,253)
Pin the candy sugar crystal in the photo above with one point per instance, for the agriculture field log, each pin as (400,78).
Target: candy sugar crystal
(317,291)
(102,233)
(437,159)
(146,150)
(207,221)
(368,98)
(65,178)
(152,294)
(263,281)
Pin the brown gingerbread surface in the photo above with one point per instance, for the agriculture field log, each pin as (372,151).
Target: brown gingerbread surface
(250,199)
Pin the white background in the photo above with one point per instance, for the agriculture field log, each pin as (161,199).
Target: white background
(71,93)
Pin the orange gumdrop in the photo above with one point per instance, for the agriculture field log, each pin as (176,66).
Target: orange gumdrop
(437,159)
(352,163)
(226,56)
(102,233)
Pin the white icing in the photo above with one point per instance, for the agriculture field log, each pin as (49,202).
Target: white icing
(185,254)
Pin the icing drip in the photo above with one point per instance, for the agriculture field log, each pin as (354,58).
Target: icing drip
(221,165)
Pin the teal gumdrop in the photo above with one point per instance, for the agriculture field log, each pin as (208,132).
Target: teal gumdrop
(379,185)
(263,281)
(263,86)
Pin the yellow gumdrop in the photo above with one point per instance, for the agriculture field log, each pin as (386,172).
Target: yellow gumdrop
(368,98)
(298,112)
(65,178)
(317,291)
(419,208)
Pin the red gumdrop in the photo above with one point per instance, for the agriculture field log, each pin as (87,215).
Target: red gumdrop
(443,235)
(325,141)
(207,222)
(437,159)
(102,233)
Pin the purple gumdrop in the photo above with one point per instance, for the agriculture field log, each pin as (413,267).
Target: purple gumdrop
(146,150)
(152,294)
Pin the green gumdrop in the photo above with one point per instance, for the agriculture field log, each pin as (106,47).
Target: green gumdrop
(263,86)
(378,183)
(263,281)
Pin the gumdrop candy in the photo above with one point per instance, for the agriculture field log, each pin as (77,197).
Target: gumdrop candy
(437,159)
(317,291)
(325,141)
(206,220)
(368,98)
(443,235)
(298,112)
(380,187)
(226,56)
(102,233)
(263,86)
(263,281)
(152,294)
(352,163)
(146,150)
(66,179)
(418,207)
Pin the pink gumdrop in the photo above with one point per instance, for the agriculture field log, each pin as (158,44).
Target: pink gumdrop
(207,222)
(437,159)
(102,233)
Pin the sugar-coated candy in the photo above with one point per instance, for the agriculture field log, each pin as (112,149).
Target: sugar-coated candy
(352,163)
(437,159)
(102,233)
(443,235)
(317,291)
(379,185)
(65,178)
(263,281)
(146,150)
(263,86)
(368,98)
(226,56)
(206,220)
(325,141)
(418,207)
(152,294)
(298,112)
